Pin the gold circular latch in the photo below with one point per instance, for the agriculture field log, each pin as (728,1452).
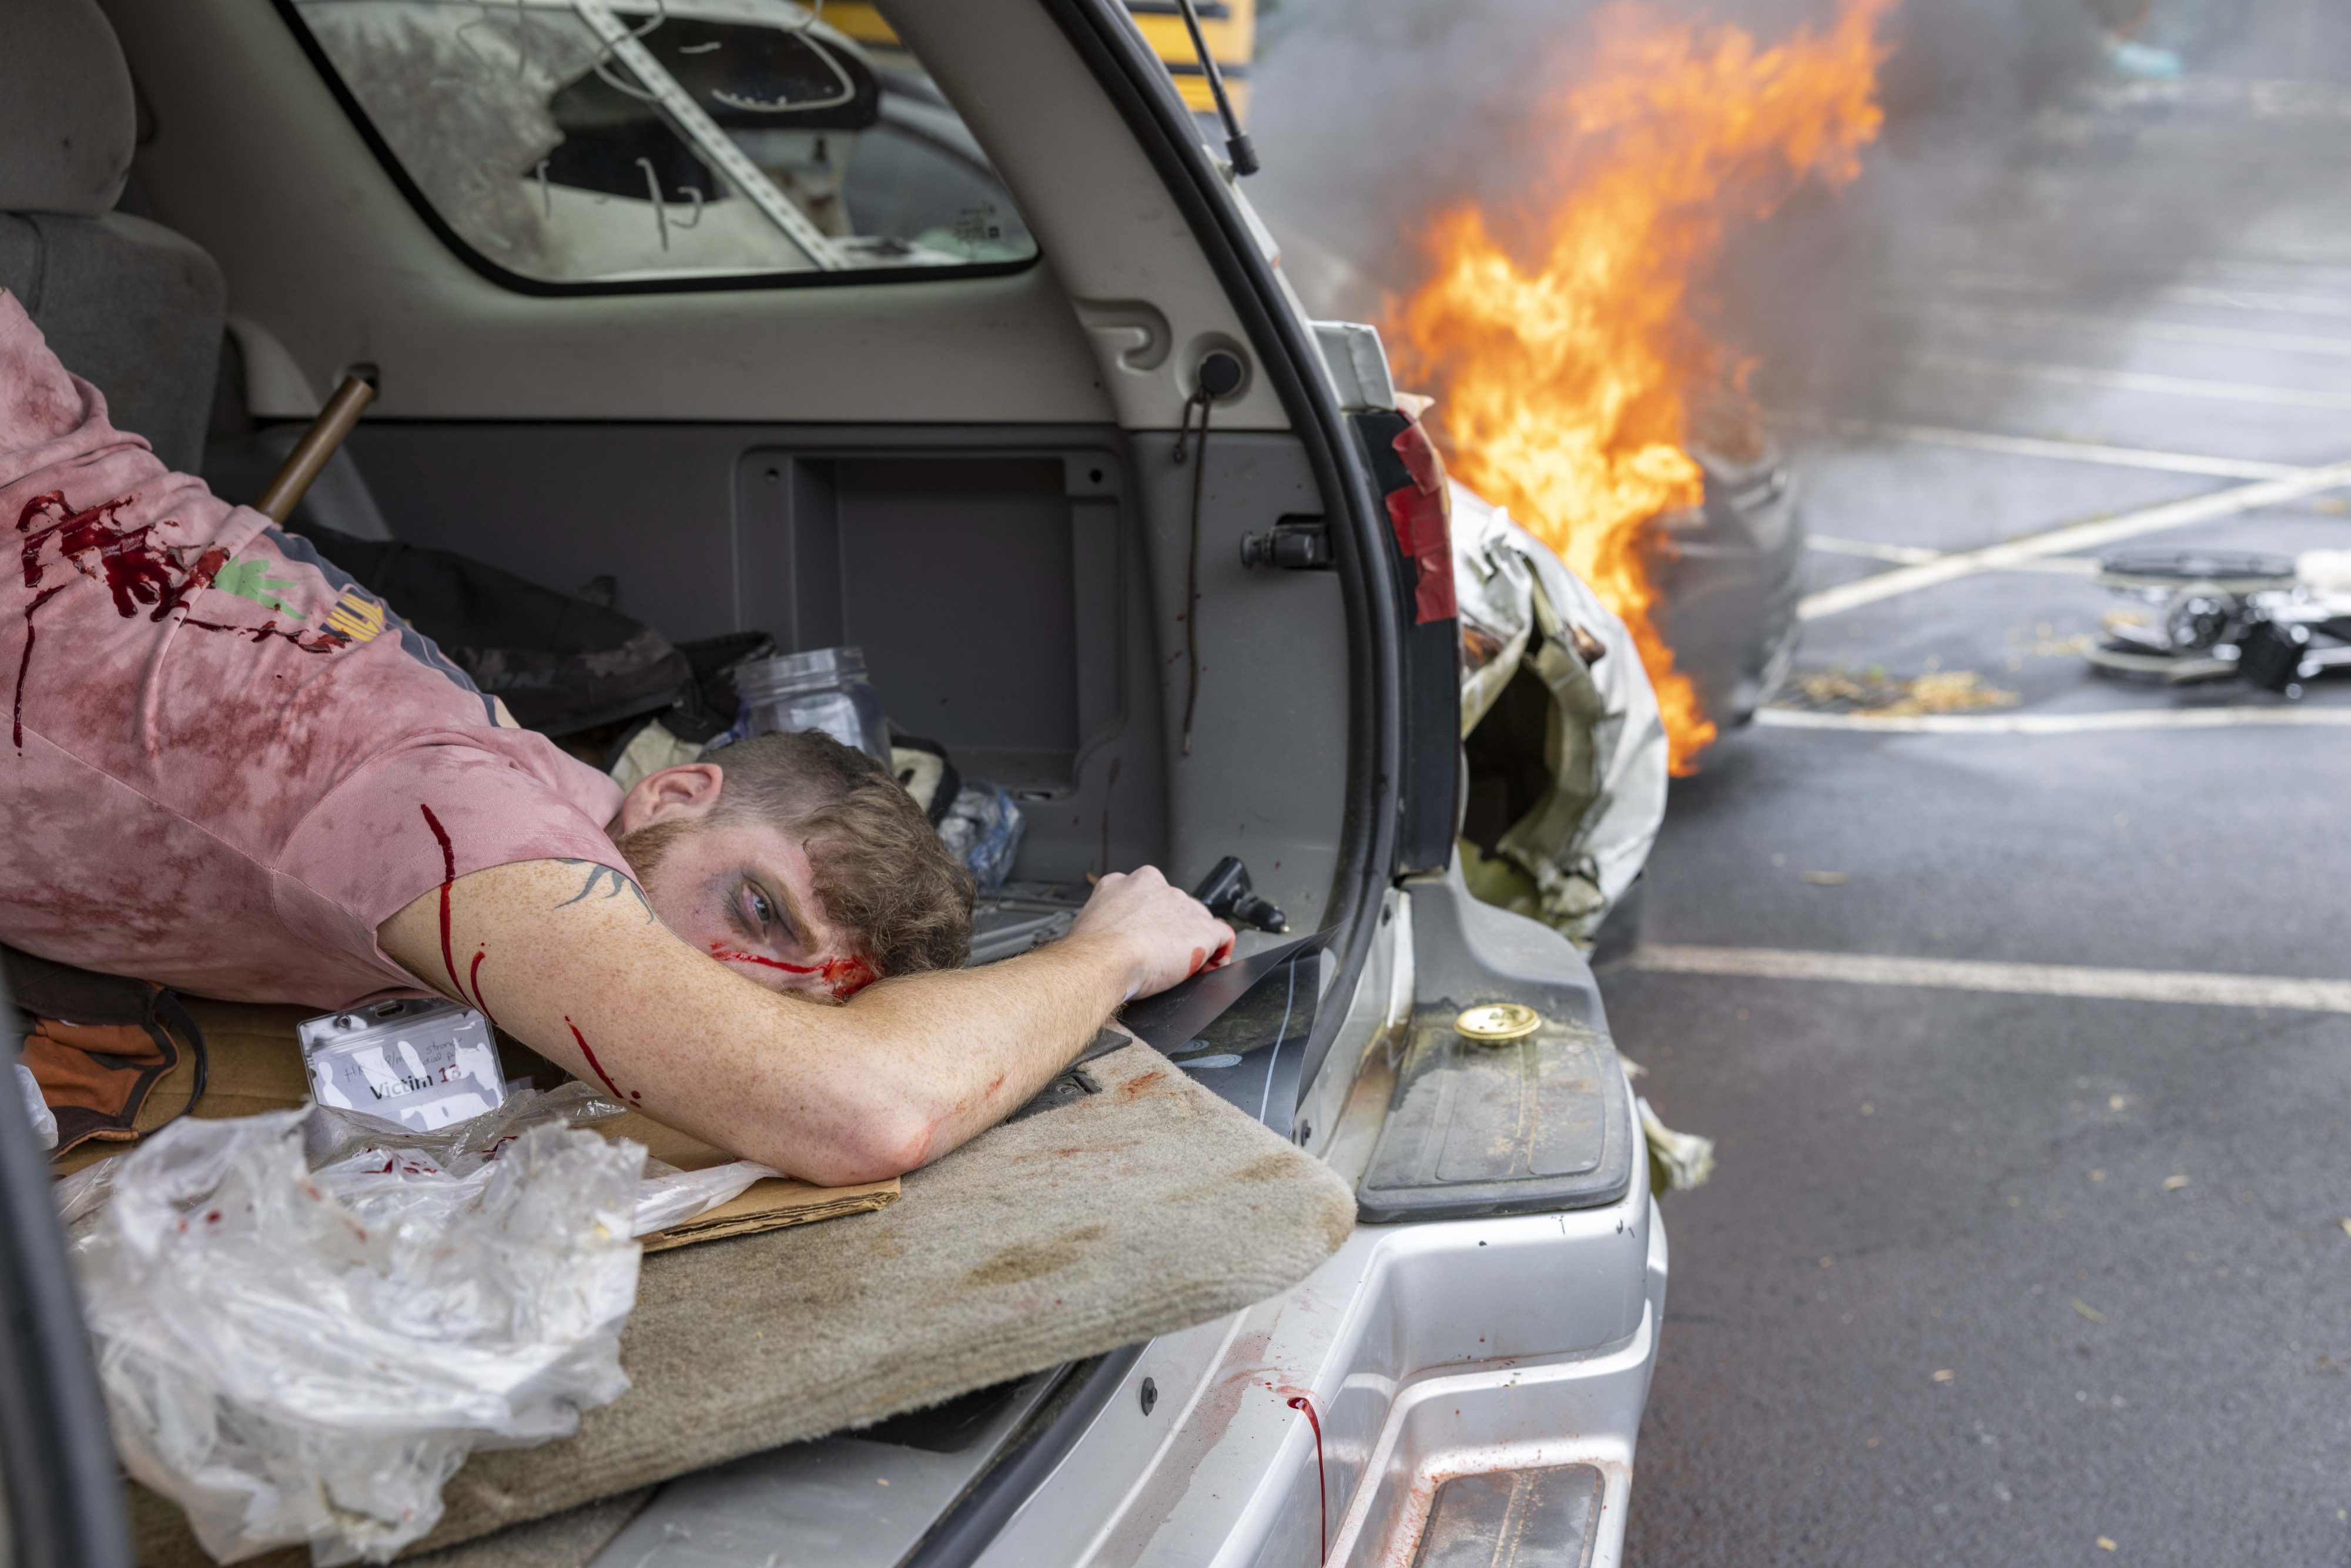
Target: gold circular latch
(1495,1023)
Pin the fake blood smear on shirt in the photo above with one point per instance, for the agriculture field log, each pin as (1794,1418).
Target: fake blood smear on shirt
(138,570)
(844,977)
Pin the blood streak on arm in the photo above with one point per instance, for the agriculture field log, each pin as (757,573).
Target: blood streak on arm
(449,877)
(590,1052)
(474,978)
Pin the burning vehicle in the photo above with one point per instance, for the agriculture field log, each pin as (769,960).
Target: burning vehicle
(1562,326)
(1729,572)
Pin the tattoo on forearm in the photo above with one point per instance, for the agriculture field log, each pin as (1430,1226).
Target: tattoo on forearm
(597,873)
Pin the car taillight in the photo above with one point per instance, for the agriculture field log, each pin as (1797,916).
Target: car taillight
(1422,514)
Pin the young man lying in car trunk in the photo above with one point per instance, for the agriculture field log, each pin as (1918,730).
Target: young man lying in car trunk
(233,772)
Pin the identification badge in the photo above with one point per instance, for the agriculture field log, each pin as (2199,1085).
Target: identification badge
(422,1064)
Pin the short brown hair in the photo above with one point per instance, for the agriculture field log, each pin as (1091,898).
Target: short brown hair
(884,876)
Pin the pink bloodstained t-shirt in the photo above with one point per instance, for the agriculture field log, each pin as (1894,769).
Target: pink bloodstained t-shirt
(224,763)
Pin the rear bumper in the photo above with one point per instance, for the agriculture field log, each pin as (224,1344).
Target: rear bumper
(1427,1350)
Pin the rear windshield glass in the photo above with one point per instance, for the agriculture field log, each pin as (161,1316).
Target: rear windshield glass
(639,141)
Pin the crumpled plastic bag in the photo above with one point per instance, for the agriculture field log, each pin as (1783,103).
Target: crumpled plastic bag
(670,1197)
(982,828)
(665,1196)
(36,1109)
(298,1349)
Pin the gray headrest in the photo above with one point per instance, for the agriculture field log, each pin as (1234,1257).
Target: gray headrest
(67,120)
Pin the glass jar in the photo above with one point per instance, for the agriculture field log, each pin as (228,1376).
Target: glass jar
(823,688)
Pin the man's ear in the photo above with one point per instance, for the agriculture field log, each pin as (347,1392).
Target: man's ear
(683,794)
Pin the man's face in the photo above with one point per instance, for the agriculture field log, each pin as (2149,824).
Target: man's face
(742,891)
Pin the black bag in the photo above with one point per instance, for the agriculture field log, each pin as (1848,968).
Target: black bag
(709,705)
(562,663)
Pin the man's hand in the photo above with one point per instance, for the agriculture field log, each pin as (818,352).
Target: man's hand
(1168,934)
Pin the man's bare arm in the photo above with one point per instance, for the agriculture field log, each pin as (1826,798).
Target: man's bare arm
(905,1071)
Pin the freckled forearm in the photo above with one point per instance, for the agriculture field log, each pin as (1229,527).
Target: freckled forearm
(908,1070)
(980,1043)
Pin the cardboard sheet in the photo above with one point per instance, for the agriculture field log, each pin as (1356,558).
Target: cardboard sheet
(767,1205)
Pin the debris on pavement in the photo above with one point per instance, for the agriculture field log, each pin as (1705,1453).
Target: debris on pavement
(1827,878)
(2088,1311)
(2274,619)
(2174,1183)
(1946,1375)
(1677,1161)
(1877,693)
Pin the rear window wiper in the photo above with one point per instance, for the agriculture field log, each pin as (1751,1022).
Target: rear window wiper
(1238,150)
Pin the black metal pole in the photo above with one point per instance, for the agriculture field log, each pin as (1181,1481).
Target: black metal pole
(1239,149)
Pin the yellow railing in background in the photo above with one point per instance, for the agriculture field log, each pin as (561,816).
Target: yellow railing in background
(1229,26)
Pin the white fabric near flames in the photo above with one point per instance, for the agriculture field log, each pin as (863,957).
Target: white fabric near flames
(1585,840)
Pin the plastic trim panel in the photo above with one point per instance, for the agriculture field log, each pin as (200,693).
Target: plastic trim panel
(1146,97)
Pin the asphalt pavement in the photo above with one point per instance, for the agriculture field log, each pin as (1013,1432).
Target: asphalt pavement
(1991,1276)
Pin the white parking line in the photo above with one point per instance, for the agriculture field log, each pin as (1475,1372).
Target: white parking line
(2305,271)
(2141,381)
(1906,555)
(2105,721)
(2188,986)
(2063,451)
(2151,328)
(2221,273)
(2077,536)
(2258,299)
(1914,555)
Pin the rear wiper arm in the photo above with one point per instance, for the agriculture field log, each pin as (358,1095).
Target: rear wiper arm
(1239,149)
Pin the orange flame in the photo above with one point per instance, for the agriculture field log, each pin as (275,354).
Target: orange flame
(1566,388)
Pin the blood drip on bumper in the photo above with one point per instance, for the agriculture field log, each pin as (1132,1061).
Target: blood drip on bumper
(1321,1481)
